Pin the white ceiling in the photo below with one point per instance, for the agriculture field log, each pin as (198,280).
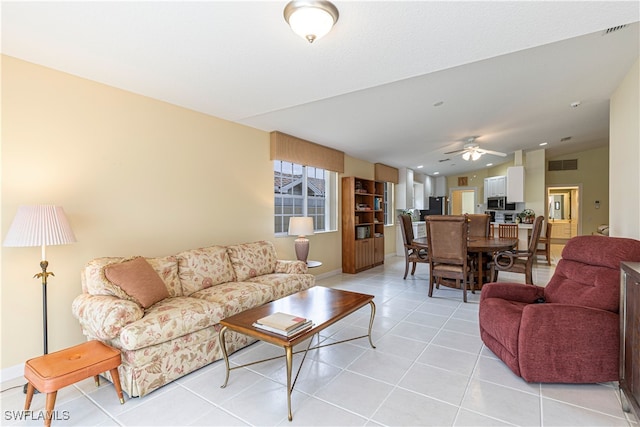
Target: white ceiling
(506,71)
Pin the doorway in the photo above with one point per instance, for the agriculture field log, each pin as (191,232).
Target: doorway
(463,200)
(563,212)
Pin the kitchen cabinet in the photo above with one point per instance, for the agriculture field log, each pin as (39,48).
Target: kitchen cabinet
(630,337)
(404,189)
(362,224)
(495,186)
(515,184)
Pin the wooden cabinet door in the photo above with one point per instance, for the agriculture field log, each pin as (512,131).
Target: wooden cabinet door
(378,250)
(364,254)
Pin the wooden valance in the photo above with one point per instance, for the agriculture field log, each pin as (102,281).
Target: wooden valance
(386,173)
(295,150)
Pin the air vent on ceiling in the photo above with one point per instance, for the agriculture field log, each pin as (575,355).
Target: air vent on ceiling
(444,160)
(563,165)
(565,139)
(613,29)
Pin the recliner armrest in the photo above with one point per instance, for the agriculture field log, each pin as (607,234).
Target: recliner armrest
(104,316)
(511,292)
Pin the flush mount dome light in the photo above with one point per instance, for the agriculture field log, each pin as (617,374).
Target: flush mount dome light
(311,19)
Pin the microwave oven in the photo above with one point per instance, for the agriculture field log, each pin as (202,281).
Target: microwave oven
(497,203)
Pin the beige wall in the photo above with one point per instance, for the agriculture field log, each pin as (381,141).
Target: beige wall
(592,177)
(624,134)
(136,177)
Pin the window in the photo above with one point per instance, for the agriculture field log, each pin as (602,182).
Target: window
(304,191)
(388,203)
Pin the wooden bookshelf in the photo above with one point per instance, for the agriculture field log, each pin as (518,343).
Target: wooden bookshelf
(362,224)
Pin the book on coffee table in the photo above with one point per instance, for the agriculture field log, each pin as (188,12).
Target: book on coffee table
(291,332)
(281,321)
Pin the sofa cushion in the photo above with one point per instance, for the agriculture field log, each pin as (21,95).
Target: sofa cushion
(202,268)
(138,279)
(167,269)
(237,296)
(94,281)
(170,318)
(253,259)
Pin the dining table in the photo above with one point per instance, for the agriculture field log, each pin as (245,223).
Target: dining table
(478,245)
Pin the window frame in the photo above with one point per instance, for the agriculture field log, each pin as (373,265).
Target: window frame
(329,212)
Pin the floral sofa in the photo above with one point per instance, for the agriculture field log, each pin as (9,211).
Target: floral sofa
(165,332)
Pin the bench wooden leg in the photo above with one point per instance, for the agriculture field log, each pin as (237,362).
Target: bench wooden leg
(50,403)
(116,383)
(30,391)
(96,379)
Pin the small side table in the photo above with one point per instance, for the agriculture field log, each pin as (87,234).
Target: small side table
(50,372)
(313,264)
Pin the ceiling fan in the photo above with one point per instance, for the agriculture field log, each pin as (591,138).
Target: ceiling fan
(472,151)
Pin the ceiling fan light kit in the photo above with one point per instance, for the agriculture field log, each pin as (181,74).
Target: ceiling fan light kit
(311,19)
(472,151)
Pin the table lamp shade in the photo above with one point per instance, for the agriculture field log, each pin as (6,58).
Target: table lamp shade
(39,225)
(300,226)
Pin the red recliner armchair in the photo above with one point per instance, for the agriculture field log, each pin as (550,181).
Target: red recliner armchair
(568,331)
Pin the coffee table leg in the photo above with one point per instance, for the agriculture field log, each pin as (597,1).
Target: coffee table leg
(289,357)
(223,346)
(373,315)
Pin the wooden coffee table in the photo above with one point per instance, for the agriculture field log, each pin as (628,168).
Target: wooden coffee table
(325,306)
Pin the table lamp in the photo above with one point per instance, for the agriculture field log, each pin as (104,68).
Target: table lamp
(40,225)
(301,226)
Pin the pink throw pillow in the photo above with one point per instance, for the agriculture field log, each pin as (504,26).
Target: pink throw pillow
(139,280)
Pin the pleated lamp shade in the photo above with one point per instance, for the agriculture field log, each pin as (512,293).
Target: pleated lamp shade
(39,225)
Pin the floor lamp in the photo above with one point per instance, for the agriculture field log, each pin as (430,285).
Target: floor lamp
(40,225)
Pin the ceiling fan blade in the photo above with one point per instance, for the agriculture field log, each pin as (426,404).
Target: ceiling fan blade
(494,153)
(456,151)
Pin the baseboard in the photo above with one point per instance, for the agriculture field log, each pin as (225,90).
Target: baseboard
(12,372)
(328,274)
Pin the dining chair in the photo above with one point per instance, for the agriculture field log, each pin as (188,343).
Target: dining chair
(447,248)
(508,230)
(413,252)
(492,231)
(519,261)
(546,242)
(480,226)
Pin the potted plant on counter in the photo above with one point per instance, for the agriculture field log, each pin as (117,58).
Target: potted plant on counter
(527,216)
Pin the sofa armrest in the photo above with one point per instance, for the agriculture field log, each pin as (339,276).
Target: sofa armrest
(291,267)
(511,291)
(103,316)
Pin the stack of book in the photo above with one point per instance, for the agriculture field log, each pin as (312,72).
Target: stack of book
(283,324)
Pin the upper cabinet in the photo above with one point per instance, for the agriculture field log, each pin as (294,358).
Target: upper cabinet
(515,184)
(495,186)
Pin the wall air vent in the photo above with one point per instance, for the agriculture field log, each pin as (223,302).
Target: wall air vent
(613,29)
(563,165)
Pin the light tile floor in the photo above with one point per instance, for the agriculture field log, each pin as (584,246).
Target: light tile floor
(430,368)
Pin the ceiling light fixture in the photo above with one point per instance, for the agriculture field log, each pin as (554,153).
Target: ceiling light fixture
(471,154)
(311,19)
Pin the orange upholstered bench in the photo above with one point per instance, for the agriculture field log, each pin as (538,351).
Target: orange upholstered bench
(50,372)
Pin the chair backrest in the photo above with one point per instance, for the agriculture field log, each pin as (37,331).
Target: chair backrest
(508,230)
(589,272)
(535,235)
(407,229)
(479,225)
(447,238)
